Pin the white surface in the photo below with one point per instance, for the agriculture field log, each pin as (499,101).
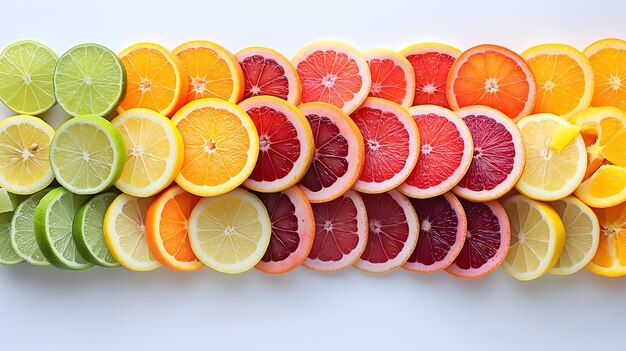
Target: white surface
(121,310)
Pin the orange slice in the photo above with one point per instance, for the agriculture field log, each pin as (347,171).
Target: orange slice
(156,79)
(610,258)
(493,76)
(212,71)
(608,61)
(392,76)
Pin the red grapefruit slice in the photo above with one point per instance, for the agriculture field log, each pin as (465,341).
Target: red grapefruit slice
(431,63)
(267,72)
(340,233)
(333,72)
(285,144)
(498,160)
(391,145)
(442,233)
(338,156)
(293,228)
(445,153)
(487,242)
(393,231)
(392,76)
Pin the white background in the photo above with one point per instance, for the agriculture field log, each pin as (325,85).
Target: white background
(121,310)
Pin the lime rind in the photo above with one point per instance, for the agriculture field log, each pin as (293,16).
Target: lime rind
(22,231)
(8,256)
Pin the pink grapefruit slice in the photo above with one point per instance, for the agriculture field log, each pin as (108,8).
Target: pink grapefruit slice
(498,160)
(392,76)
(431,63)
(442,233)
(487,242)
(333,72)
(285,143)
(391,142)
(293,228)
(338,156)
(340,233)
(267,72)
(393,231)
(446,150)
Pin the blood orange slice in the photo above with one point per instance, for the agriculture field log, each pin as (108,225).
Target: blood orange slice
(445,153)
(340,233)
(285,143)
(391,145)
(392,76)
(431,63)
(338,156)
(499,155)
(267,72)
(487,242)
(333,72)
(494,76)
(293,229)
(393,231)
(442,233)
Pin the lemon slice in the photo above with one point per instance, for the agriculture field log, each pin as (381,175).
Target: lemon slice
(154,151)
(582,235)
(537,237)
(550,174)
(230,232)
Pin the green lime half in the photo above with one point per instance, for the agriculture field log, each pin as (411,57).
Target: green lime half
(89,79)
(87,154)
(8,201)
(53,229)
(7,254)
(87,230)
(26,74)
(23,232)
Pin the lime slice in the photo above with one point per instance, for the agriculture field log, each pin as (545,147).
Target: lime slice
(26,71)
(89,79)
(87,230)
(8,201)
(53,229)
(7,254)
(23,233)
(87,154)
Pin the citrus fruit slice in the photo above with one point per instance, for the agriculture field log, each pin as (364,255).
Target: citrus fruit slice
(89,80)
(221,146)
(608,59)
(487,240)
(285,143)
(166,229)
(87,154)
(392,76)
(550,174)
(392,144)
(493,76)
(230,232)
(8,256)
(564,79)
(293,228)
(605,188)
(431,64)
(154,151)
(87,230)
(582,235)
(393,232)
(498,160)
(8,201)
(610,258)
(537,237)
(442,233)
(23,233)
(212,71)
(446,149)
(333,72)
(341,230)
(26,74)
(267,72)
(124,230)
(157,80)
(24,147)
(339,153)
(53,220)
